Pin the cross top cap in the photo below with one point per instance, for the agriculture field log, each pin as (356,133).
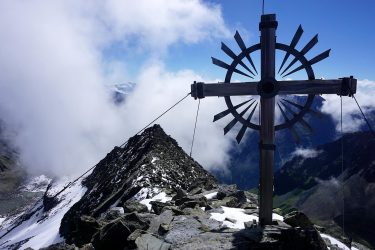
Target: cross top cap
(268,21)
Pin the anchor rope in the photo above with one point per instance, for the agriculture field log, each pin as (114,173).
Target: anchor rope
(79,177)
(195,127)
(364,116)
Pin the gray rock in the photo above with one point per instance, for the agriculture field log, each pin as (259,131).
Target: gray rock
(206,241)
(60,246)
(225,191)
(197,190)
(134,206)
(148,241)
(88,246)
(166,217)
(133,237)
(158,206)
(183,228)
(174,209)
(229,201)
(87,226)
(298,219)
(278,237)
(192,199)
(180,194)
(197,211)
(113,236)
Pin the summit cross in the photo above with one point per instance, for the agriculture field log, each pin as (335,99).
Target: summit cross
(268,88)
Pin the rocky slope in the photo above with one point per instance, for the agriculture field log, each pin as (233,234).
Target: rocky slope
(317,186)
(151,195)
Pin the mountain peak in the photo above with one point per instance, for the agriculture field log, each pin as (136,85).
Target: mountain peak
(148,161)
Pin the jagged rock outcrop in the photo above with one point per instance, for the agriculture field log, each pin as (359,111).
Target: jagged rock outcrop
(150,160)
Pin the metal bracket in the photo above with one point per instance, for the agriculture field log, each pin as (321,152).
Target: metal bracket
(267,146)
(197,90)
(349,86)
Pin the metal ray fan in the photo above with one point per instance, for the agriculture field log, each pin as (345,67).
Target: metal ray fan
(243,64)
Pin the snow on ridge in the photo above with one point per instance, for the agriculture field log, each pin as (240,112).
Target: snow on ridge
(42,228)
(336,242)
(162,197)
(211,196)
(237,217)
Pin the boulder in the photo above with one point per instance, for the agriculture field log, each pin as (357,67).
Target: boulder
(60,246)
(112,236)
(113,214)
(87,226)
(278,237)
(192,201)
(134,206)
(148,241)
(164,218)
(179,194)
(157,206)
(298,219)
(229,201)
(226,190)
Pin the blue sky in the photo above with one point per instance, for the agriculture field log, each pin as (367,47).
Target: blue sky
(60,59)
(347,27)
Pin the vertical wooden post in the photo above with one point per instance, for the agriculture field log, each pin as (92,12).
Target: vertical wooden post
(267,26)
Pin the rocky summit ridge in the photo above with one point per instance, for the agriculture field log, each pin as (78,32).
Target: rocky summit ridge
(150,194)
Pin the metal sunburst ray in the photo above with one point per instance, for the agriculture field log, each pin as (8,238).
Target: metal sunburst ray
(242,46)
(304,123)
(305,49)
(300,107)
(227,111)
(224,65)
(231,124)
(316,59)
(291,128)
(232,55)
(244,127)
(292,45)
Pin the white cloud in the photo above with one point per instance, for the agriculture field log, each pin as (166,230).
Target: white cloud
(352,118)
(306,153)
(54,64)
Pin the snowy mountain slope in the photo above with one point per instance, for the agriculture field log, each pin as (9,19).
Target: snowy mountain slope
(40,228)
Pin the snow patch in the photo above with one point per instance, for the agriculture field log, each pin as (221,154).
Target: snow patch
(237,217)
(1,220)
(211,196)
(162,197)
(154,159)
(336,242)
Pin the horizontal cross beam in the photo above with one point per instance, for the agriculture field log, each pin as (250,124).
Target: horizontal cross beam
(346,86)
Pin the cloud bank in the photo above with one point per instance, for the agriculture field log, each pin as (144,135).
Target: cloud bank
(57,56)
(352,118)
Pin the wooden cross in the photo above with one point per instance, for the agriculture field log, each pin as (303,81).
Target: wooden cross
(267,88)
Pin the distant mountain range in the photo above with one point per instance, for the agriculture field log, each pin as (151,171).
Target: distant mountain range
(317,185)
(121,90)
(244,158)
